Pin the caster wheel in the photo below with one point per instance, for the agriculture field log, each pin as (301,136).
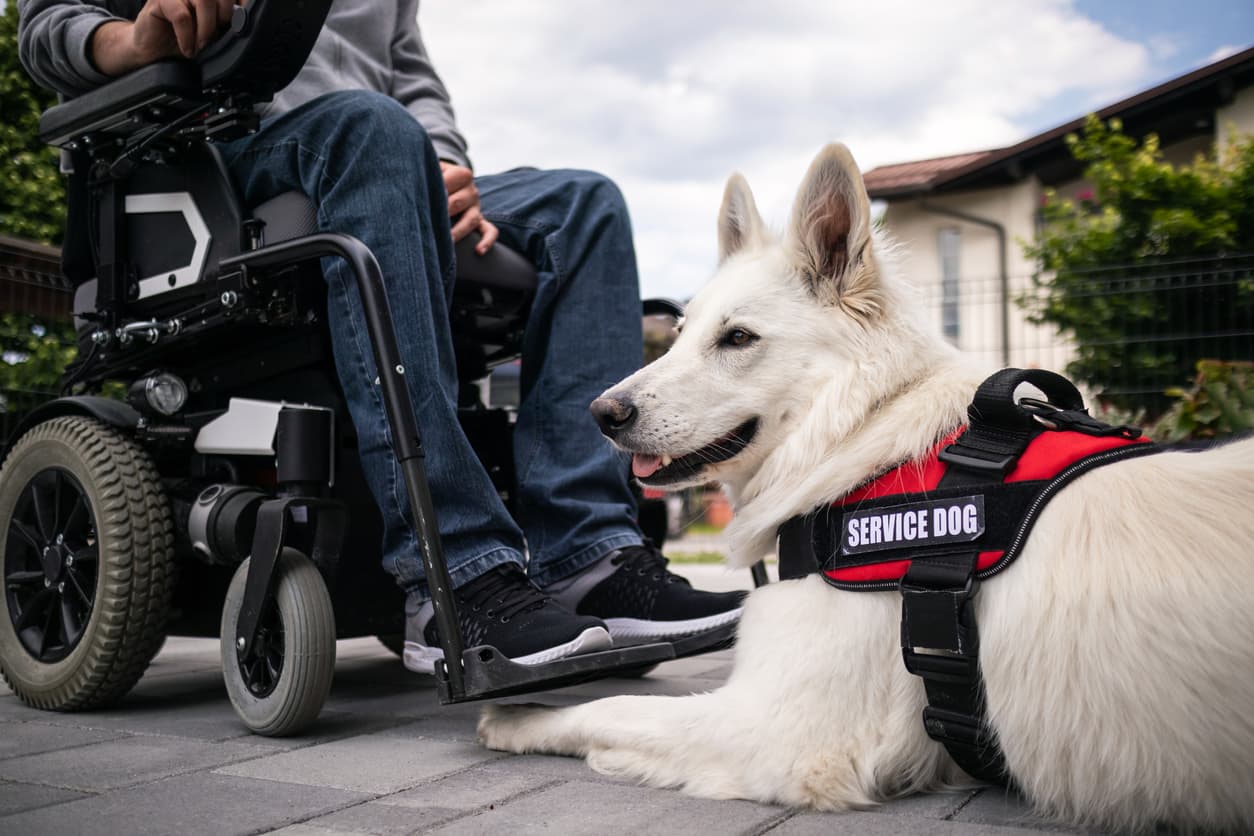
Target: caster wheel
(86,553)
(279,687)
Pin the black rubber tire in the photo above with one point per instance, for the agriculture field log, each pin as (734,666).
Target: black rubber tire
(134,577)
(308,658)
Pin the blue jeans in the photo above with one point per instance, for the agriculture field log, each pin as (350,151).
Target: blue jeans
(373,173)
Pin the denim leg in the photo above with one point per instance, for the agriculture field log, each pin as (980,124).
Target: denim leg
(583,335)
(372,172)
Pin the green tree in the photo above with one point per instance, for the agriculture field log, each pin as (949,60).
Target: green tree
(32,195)
(1141,271)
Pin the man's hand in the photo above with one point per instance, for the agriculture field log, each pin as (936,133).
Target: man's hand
(463,206)
(163,29)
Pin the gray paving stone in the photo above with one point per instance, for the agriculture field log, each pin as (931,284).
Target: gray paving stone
(15,798)
(381,820)
(120,763)
(379,763)
(17,739)
(304,830)
(1000,807)
(205,714)
(14,710)
(479,787)
(596,809)
(698,667)
(878,824)
(938,805)
(191,805)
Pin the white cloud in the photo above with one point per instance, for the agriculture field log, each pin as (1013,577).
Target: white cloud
(668,98)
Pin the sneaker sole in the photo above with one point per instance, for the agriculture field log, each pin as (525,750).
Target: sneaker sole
(640,630)
(420,658)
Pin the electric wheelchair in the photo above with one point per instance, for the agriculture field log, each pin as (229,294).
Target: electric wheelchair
(214,499)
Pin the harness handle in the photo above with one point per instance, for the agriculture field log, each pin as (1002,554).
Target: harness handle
(994,403)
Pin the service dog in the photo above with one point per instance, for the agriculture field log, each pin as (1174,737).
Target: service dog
(1117,653)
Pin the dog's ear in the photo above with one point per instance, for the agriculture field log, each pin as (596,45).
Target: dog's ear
(739,224)
(830,229)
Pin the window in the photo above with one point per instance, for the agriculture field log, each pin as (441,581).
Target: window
(949,242)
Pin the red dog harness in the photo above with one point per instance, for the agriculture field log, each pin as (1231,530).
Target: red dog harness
(935,528)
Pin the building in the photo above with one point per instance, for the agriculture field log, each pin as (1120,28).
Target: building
(962,219)
(31,280)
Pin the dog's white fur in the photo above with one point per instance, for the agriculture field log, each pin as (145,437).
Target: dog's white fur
(1117,652)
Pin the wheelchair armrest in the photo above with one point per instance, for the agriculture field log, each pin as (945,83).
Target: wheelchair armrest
(499,268)
(265,48)
(109,109)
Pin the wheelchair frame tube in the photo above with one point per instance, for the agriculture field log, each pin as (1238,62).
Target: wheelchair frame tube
(397,404)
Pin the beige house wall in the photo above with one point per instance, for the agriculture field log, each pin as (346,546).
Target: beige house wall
(1238,116)
(916,229)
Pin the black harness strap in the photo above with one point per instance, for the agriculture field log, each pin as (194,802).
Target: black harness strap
(940,643)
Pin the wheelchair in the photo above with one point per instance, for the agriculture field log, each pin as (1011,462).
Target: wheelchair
(215,498)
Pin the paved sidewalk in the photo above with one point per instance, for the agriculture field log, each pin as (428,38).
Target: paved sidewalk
(384,758)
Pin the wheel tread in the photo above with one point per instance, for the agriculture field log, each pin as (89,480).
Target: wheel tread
(133,518)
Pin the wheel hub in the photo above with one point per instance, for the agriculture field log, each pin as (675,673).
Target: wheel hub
(53,561)
(50,565)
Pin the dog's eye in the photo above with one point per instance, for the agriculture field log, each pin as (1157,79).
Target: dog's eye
(738,338)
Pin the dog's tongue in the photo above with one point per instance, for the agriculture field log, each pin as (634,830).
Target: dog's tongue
(644,466)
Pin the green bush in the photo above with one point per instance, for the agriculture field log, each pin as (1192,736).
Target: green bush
(1110,272)
(1219,403)
(32,194)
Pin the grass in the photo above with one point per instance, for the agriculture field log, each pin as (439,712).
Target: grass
(696,557)
(700,527)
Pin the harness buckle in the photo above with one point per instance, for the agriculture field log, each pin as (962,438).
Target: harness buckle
(1077,420)
(953,727)
(982,462)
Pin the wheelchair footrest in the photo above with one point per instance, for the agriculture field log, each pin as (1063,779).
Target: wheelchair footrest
(720,638)
(489,674)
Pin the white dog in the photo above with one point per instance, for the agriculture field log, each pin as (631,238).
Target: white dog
(1117,652)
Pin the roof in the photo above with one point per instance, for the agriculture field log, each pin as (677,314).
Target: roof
(890,178)
(1175,109)
(30,263)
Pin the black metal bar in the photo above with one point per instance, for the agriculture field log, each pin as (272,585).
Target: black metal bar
(109,200)
(267,545)
(760,578)
(397,405)
(328,520)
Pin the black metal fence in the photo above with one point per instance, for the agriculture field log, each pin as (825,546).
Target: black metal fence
(1138,329)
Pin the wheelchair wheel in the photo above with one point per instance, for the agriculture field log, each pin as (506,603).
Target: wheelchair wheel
(86,552)
(280,686)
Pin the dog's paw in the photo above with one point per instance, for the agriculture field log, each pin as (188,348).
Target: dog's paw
(507,728)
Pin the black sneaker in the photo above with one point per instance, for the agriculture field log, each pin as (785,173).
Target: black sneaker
(640,600)
(503,608)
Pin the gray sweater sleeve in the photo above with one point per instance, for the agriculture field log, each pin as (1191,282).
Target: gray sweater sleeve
(53,40)
(416,85)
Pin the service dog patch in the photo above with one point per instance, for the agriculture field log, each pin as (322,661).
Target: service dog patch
(927,523)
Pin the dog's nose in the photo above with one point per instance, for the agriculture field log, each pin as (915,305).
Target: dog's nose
(613,416)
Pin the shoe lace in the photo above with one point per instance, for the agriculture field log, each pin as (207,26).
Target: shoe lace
(646,559)
(503,591)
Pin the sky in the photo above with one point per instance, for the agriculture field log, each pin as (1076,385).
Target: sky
(669,97)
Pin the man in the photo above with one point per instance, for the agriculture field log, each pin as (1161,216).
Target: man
(367,132)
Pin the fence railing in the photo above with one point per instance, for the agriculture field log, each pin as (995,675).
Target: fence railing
(1142,327)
